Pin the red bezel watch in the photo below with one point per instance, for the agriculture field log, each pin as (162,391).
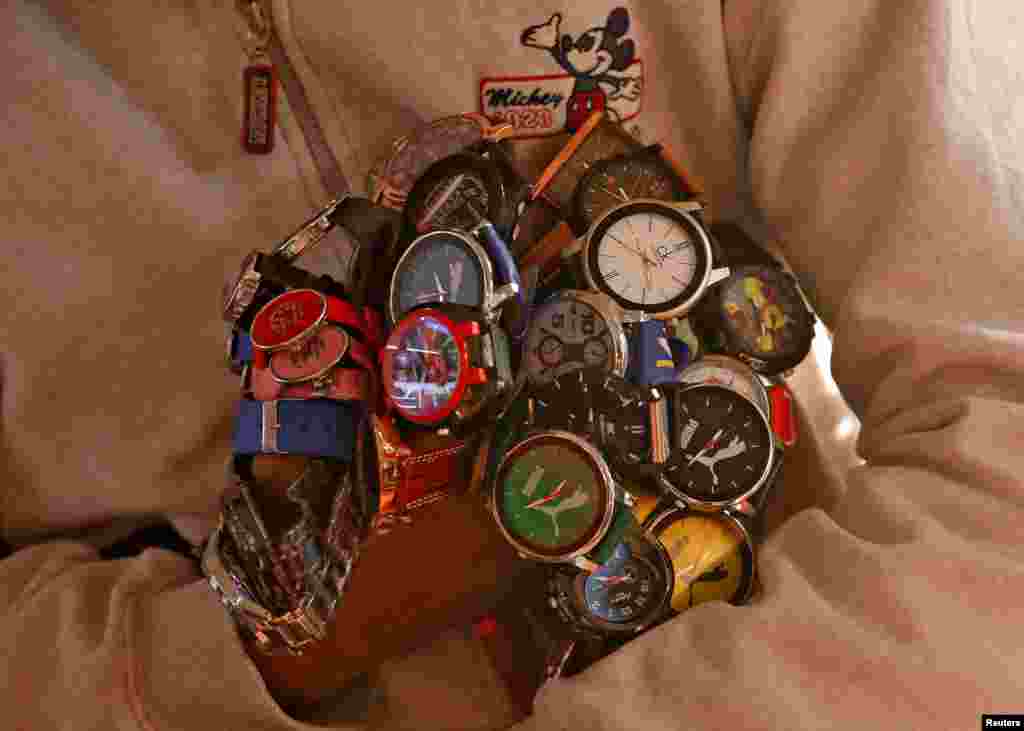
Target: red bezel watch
(446,366)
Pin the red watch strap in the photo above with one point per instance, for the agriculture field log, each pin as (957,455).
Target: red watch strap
(429,476)
(344,384)
(344,313)
(783,414)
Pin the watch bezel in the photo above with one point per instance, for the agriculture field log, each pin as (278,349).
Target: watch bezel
(657,555)
(578,216)
(681,303)
(487,169)
(592,539)
(764,364)
(738,368)
(708,506)
(346,343)
(416,248)
(413,319)
(311,328)
(663,520)
(607,308)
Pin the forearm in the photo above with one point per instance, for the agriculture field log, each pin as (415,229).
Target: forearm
(446,569)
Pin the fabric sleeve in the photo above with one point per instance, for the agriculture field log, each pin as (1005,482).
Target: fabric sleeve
(885,157)
(132,643)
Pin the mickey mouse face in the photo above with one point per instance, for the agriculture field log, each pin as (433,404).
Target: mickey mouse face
(587,56)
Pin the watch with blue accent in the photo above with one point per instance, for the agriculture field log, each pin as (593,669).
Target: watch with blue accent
(313,428)
(651,358)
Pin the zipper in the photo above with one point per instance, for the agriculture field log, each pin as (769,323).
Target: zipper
(263,45)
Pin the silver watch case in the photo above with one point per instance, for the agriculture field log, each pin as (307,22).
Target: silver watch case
(712,274)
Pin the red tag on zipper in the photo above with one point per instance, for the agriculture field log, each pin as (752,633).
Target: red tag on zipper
(260,112)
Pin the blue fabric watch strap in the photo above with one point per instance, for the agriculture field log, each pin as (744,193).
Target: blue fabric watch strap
(314,428)
(651,360)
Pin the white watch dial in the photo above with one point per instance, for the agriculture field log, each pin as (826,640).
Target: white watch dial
(648,258)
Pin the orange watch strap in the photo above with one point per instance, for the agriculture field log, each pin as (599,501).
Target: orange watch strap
(549,248)
(567,152)
(693,186)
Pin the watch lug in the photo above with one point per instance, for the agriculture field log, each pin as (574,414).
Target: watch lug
(585,564)
(717,275)
(501,295)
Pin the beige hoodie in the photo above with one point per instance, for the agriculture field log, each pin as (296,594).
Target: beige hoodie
(878,143)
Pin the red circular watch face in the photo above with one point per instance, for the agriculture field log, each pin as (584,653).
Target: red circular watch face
(286,318)
(310,358)
(424,366)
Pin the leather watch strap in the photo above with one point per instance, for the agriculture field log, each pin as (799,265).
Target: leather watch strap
(548,250)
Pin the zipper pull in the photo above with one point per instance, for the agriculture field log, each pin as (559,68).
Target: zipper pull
(259,81)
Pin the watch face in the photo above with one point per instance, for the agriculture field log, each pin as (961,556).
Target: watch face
(605,409)
(725,371)
(712,559)
(765,318)
(725,446)
(455,193)
(311,358)
(442,266)
(628,591)
(422,367)
(551,496)
(648,257)
(287,318)
(568,333)
(622,179)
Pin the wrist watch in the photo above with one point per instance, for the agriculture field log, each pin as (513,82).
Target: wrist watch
(574,329)
(412,477)
(724,449)
(449,266)
(393,177)
(329,364)
(555,500)
(295,317)
(628,423)
(481,178)
(758,313)
(283,589)
(365,229)
(446,367)
(711,554)
(310,427)
(624,597)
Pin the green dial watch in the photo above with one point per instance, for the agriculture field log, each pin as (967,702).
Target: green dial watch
(555,500)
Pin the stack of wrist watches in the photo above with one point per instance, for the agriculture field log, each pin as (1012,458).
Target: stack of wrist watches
(655,415)
(621,358)
(306,354)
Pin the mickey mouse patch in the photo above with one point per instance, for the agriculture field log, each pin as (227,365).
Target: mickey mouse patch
(601,73)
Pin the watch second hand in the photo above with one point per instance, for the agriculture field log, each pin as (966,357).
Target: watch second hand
(548,498)
(426,218)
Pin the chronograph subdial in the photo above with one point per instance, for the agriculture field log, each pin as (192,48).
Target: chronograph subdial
(574,330)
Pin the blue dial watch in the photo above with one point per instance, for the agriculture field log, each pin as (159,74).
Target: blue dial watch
(314,428)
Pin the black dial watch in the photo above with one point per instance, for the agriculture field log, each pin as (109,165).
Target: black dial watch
(455,191)
(758,313)
(627,422)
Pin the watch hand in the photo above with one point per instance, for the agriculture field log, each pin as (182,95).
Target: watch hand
(613,195)
(439,203)
(554,493)
(612,579)
(712,443)
(423,350)
(440,288)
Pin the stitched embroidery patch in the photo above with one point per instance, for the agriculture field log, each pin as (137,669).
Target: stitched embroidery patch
(601,72)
